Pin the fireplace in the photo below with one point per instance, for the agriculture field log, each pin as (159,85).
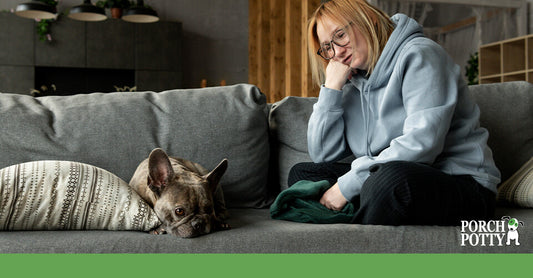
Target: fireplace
(70,81)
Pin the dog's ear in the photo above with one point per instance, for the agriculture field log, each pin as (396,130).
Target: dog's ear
(160,171)
(213,177)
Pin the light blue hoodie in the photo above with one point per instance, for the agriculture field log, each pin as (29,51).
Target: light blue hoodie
(413,107)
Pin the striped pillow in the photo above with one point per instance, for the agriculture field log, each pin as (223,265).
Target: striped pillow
(518,189)
(63,195)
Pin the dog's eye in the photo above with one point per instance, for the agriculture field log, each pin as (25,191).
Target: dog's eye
(179,211)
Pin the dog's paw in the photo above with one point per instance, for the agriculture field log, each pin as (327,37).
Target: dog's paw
(158,231)
(224,226)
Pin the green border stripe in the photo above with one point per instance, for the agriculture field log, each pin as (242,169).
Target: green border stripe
(260,265)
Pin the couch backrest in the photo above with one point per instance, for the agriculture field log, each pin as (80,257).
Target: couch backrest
(288,129)
(116,131)
(507,112)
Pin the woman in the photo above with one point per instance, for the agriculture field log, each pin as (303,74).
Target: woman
(396,101)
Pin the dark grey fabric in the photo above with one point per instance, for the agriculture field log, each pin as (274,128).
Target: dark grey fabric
(255,232)
(507,113)
(288,128)
(116,131)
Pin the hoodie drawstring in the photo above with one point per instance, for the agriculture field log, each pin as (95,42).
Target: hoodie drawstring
(365,109)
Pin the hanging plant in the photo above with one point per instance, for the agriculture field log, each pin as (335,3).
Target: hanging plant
(43,25)
(472,69)
(43,29)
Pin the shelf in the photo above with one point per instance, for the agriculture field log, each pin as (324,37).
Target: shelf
(490,80)
(508,60)
(515,77)
(530,55)
(514,55)
(515,72)
(489,61)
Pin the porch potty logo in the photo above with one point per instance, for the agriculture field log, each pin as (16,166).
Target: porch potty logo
(490,233)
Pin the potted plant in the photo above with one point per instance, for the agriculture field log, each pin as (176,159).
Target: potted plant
(116,6)
(471,69)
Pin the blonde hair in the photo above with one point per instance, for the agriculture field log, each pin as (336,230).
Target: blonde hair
(374,25)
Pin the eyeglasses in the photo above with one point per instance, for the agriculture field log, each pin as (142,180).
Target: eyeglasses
(340,38)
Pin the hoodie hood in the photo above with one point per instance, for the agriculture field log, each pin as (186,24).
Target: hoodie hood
(405,30)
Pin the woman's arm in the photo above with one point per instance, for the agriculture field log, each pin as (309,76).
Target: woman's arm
(325,133)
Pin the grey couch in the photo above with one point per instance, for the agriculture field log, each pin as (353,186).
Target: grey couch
(115,131)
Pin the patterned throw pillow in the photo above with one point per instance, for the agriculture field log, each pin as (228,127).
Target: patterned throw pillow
(518,189)
(62,195)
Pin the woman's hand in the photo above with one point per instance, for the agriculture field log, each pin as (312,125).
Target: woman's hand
(333,198)
(336,75)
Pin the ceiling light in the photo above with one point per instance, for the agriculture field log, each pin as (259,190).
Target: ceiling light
(87,12)
(140,14)
(36,10)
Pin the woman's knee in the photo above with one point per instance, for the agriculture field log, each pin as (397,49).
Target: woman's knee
(301,171)
(402,193)
(389,186)
(387,177)
(329,171)
(301,168)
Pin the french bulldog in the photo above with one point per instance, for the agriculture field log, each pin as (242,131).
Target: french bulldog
(185,196)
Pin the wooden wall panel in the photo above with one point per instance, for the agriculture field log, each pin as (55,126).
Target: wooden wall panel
(293,40)
(278,62)
(310,89)
(258,44)
(253,41)
(277,48)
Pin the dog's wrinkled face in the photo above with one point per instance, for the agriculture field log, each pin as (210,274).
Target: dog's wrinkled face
(186,207)
(184,197)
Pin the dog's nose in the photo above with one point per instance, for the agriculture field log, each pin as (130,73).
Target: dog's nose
(197,224)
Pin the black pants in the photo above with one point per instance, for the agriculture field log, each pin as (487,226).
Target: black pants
(407,193)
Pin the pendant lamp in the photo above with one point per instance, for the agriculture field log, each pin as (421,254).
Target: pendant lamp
(36,10)
(87,12)
(140,14)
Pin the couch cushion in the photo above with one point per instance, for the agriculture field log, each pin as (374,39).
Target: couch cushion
(116,131)
(518,189)
(506,111)
(63,195)
(288,130)
(253,231)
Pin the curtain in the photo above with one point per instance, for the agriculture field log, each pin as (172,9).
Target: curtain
(489,25)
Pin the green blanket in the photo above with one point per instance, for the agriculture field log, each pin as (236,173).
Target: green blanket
(300,203)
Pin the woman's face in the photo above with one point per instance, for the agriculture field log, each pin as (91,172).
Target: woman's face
(354,54)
